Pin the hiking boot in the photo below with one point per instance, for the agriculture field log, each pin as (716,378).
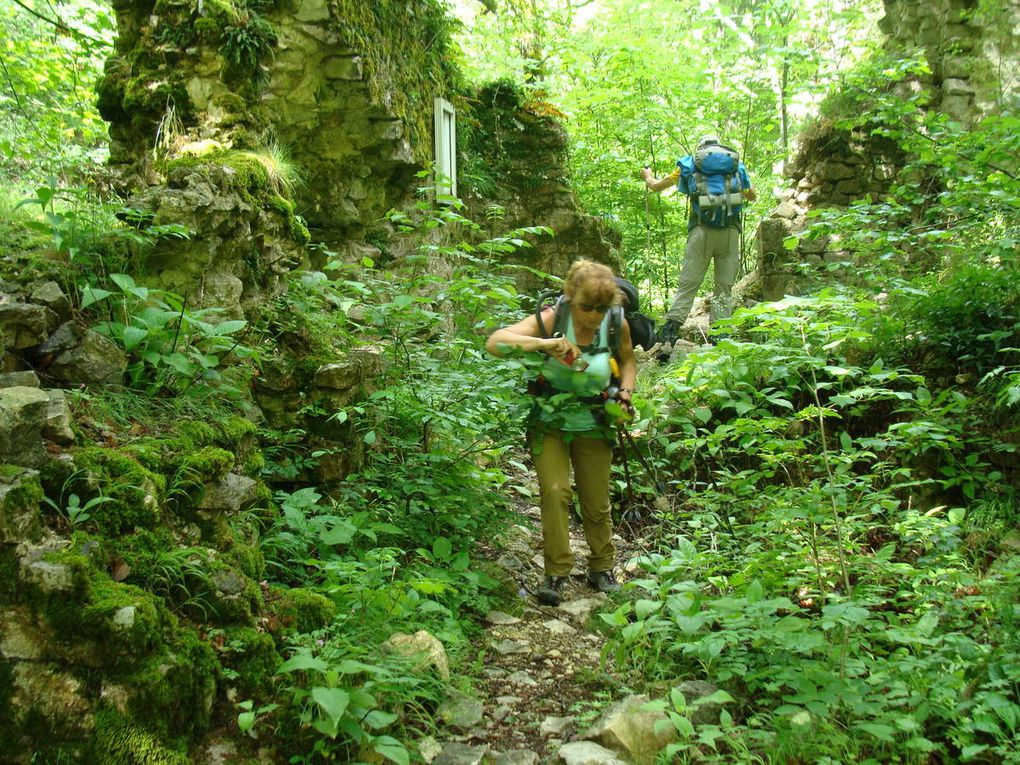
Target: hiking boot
(666,338)
(603,581)
(669,333)
(551,591)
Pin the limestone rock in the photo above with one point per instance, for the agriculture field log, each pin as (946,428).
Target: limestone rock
(627,728)
(461,711)
(58,419)
(24,325)
(693,690)
(54,695)
(461,754)
(52,296)
(423,645)
(515,757)
(556,726)
(429,749)
(231,494)
(581,608)
(96,360)
(20,494)
(26,379)
(359,364)
(24,413)
(47,576)
(64,338)
(19,635)
(587,753)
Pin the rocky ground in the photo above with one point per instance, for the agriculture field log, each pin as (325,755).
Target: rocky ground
(546,675)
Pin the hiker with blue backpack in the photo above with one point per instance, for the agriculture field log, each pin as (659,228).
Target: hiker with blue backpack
(716,184)
(586,381)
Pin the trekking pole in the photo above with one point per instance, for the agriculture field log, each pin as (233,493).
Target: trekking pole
(744,258)
(660,486)
(628,514)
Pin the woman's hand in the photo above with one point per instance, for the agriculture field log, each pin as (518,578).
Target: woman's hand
(560,348)
(623,396)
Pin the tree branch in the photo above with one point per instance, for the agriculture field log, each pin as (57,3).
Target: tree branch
(60,26)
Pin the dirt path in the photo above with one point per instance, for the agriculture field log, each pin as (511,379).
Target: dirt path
(544,672)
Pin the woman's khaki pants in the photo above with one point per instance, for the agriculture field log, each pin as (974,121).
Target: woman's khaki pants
(592,459)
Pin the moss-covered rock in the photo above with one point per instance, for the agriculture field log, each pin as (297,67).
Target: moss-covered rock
(235,598)
(173,691)
(123,622)
(250,659)
(300,610)
(133,493)
(119,741)
(8,574)
(20,495)
(7,742)
(248,558)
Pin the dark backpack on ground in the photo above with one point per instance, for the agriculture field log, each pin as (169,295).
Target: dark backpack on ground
(711,180)
(642,329)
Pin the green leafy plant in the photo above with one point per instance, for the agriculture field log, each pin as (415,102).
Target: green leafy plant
(248,39)
(72,508)
(171,347)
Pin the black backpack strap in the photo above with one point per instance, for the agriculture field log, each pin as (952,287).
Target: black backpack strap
(540,309)
(615,327)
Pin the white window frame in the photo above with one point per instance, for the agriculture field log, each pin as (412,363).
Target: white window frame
(446,147)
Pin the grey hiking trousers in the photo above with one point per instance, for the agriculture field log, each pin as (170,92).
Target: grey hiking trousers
(705,244)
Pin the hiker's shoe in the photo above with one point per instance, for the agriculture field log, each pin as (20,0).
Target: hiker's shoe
(666,338)
(669,333)
(603,581)
(551,591)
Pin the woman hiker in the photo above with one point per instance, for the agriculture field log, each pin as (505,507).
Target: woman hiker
(569,424)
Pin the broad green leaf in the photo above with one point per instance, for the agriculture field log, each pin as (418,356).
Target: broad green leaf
(133,336)
(377,719)
(302,661)
(246,721)
(644,608)
(332,701)
(229,327)
(91,295)
(881,732)
(392,750)
(340,534)
(716,697)
(442,548)
(755,592)
(125,282)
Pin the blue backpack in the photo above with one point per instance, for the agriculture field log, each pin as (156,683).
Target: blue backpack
(711,179)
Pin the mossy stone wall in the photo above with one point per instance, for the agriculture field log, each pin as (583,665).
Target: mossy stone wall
(345,87)
(969,47)
(520,159)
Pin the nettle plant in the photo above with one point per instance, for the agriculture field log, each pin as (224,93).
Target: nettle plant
(806,569)
(172,349)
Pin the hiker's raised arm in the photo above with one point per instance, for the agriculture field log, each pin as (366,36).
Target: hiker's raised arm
(525,335)
(659,184)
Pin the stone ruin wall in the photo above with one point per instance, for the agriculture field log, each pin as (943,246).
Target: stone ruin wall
(354,124)
(527,152)
(969,54)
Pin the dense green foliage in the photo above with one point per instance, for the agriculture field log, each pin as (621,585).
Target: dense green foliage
(835,545)
(48,121)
